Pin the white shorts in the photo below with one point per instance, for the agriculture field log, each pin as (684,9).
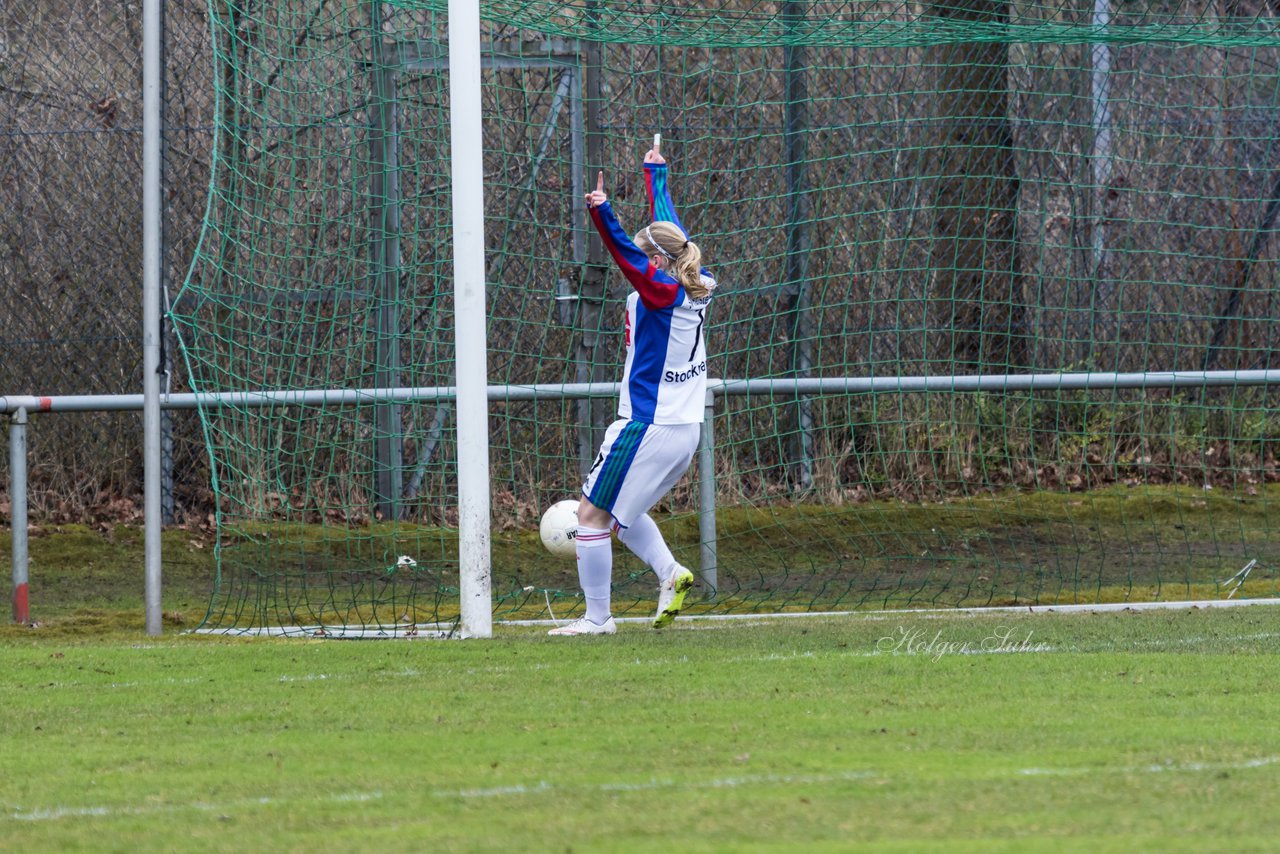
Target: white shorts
(637,465)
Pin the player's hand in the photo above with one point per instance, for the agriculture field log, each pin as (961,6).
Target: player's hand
(652,156)
(596,198)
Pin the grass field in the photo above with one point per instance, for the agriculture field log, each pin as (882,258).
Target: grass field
(1113,731)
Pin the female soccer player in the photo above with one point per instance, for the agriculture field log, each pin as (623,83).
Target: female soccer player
(660,409)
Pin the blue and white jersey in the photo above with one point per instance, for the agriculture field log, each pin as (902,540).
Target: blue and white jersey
(665,378)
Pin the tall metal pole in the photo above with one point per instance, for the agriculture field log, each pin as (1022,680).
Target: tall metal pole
(151,260)
(707,499)
(592,415)
(1100,55)
(167,338)
(18,511)
(470,314)
(384,145)
(796,287)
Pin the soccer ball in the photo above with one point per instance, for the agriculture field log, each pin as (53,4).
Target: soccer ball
(559,528)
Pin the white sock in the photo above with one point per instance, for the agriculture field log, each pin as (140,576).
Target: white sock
(645,540)
(595,571)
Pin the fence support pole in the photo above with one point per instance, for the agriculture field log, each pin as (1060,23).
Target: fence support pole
(707,498)
(1101,159)
(796,287)
(384,182)
(18,512)
(593,417)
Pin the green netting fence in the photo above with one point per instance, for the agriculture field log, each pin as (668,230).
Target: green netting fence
(883,190)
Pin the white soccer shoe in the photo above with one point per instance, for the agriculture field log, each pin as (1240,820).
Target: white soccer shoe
(671,596)
(583,626)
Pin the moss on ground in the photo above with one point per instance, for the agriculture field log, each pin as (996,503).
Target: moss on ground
(1113,545)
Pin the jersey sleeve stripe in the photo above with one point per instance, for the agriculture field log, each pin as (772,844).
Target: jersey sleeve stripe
(661,208)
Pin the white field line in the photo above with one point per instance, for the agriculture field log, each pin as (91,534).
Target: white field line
(171,680)
(656,784)
(889,614)
(1160,768)
(542,787)
(1190,641)
(59,813)
(424,631)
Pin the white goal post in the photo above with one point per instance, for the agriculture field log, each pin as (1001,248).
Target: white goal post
(470,346)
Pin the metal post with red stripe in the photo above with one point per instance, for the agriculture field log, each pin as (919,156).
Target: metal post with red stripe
(18,511)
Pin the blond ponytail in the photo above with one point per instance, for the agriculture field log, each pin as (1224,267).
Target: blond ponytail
(666,239)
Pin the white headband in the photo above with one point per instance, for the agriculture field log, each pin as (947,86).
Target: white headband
(665,254)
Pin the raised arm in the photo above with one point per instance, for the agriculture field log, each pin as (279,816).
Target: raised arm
(655,178)
(656,288)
